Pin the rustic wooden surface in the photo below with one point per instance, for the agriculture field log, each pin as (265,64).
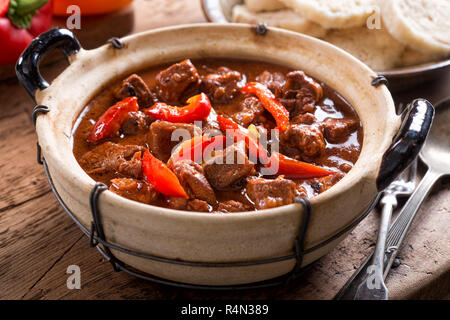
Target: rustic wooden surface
(38,241)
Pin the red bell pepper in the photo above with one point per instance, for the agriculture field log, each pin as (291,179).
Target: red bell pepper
(113,118)
(198,109)
(161,177)
(270,103)
(257,151)
(22,21)
(42,20)
(193,149)
(292,168)
(4,6)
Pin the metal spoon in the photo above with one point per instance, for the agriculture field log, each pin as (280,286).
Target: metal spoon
(404,185)
(436,155)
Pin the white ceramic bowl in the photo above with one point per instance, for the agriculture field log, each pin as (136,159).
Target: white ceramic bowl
(200,237)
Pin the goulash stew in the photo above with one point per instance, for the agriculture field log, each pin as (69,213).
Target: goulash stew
(218,135)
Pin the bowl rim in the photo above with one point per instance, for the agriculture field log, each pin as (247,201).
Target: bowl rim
(408,71)
(120,202)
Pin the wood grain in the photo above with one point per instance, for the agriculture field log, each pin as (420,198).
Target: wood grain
(33,237)
(21,179)
(424,255)
(38,241)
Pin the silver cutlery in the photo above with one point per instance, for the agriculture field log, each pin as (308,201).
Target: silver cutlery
(404,185)
(436,156)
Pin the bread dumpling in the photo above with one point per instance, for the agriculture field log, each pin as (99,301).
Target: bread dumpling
(375,47)
(334,14)
(286,19)
(422,24)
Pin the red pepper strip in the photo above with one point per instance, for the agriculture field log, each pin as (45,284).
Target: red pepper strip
(292,168)
(113,118)
(270,103)
(161,177)
(193,149)
(198,108)
(240,133)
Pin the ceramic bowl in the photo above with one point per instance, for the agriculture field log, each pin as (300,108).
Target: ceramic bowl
(192,237)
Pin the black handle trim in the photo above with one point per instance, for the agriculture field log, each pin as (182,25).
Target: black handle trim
(416,123)
(27,68)
(379,80)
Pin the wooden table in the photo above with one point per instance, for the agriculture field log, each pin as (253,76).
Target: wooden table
(38,241)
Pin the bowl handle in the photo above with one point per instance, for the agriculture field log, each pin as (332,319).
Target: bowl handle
(406,145)
(27,68)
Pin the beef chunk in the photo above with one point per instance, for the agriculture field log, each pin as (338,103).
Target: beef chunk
(308,140)
(301,191)
(112,157)
(134,86)
(232,206)
(211,124)
(135,190)
(136,122)
(198,205)
(227,167)
(325,183)
(345,167)
(175,81)
(274,81)
(132,167)
(300,93)
(160,137)
(266,193)
(338,130)
(193,180)
(251,108)
(222,85)
(177,203)
(306,118)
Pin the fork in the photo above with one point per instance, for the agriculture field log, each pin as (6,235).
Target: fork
(373,286)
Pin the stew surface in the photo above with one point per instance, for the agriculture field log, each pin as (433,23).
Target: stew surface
(218,135)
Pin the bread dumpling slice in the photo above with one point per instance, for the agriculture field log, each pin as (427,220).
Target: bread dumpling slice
(264,5)
(421,24)
(411,57)
(286,19)
(375,47)
(334,14)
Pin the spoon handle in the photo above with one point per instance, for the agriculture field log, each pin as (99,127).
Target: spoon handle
(375,289)
(405,217)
